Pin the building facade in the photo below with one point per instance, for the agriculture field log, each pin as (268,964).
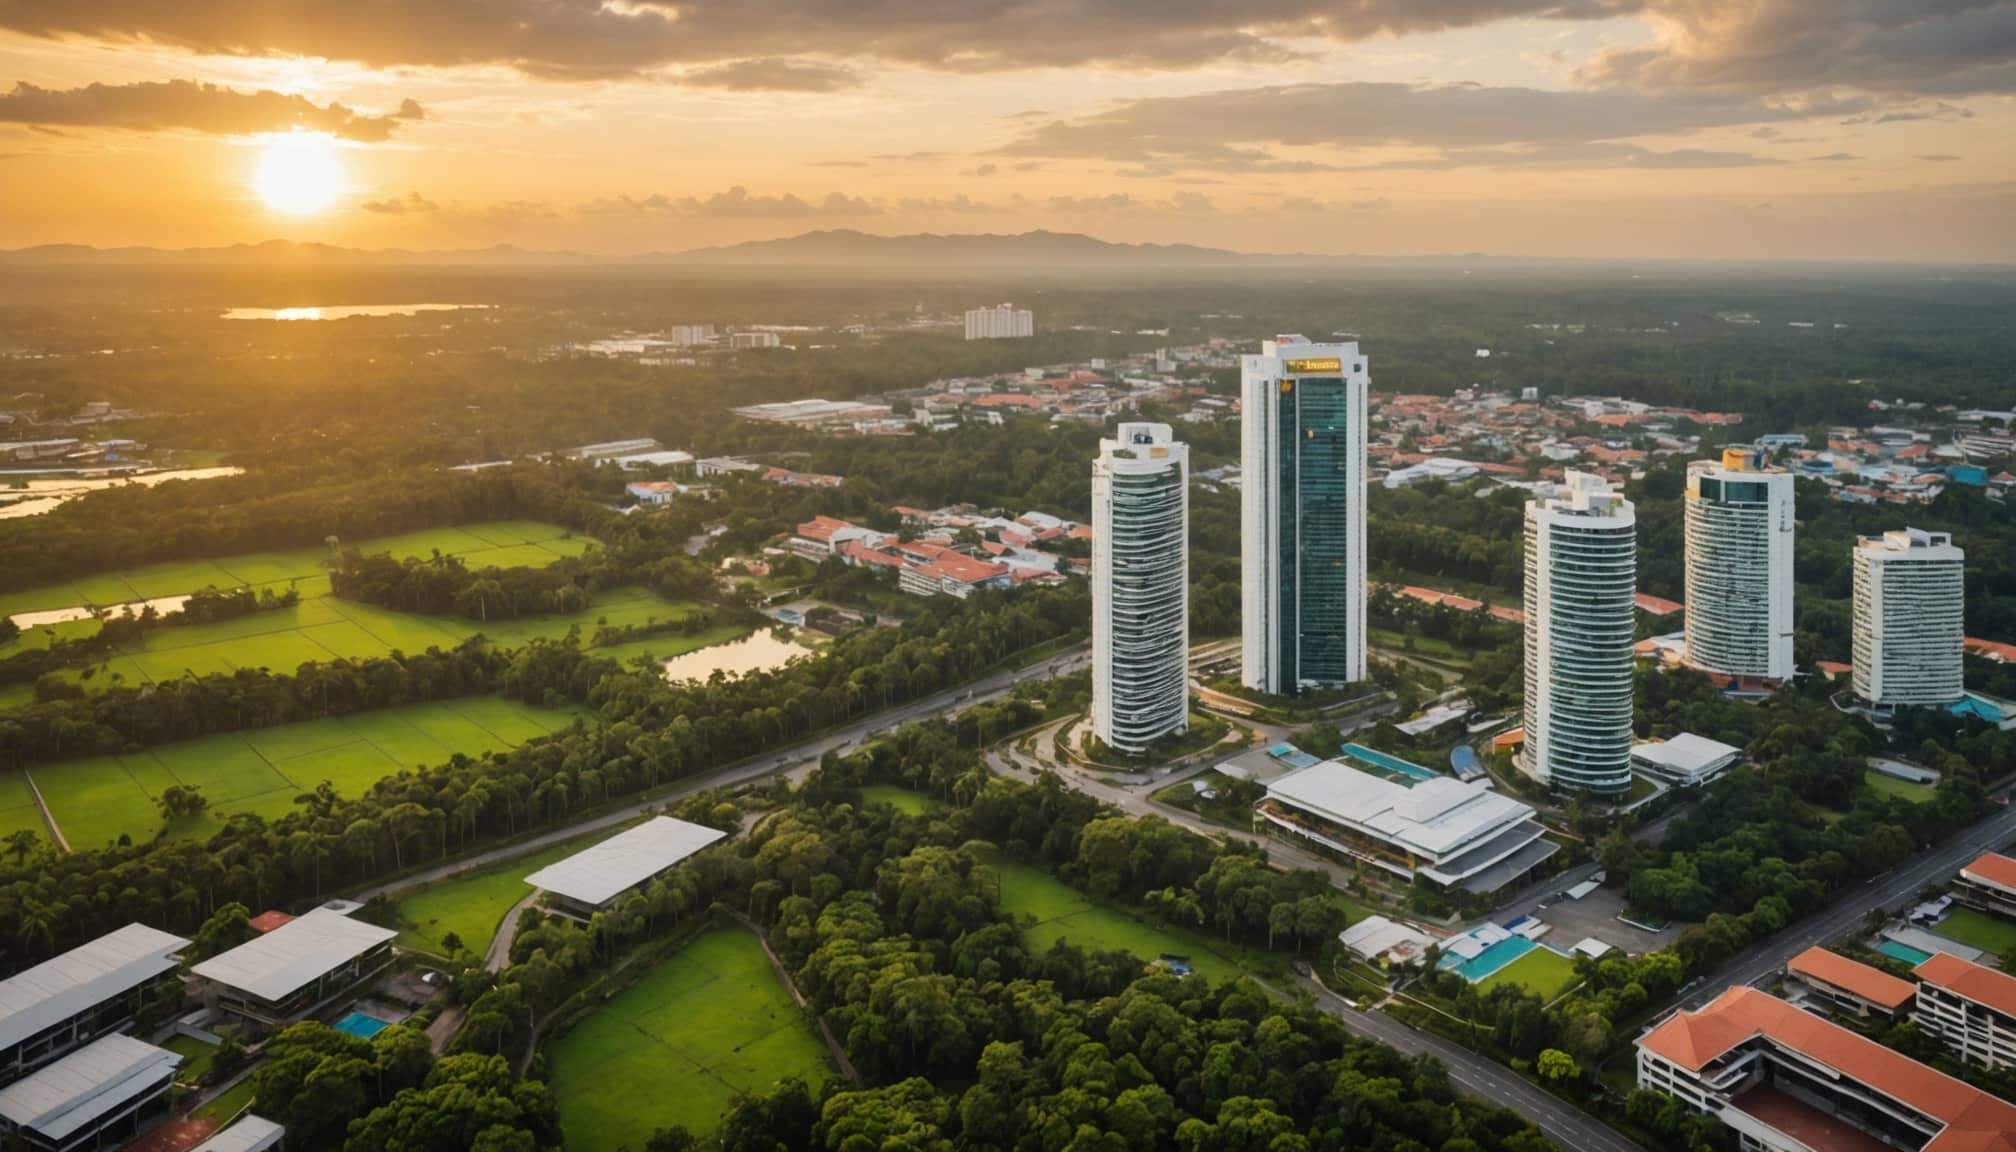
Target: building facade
(1968,1008)
(1302,491)
(1909,629)
(1004,323)
(1581,580)
(1739,525)
(1140,587)
(1989,884)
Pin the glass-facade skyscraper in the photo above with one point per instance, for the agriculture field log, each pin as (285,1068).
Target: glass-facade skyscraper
(1303,415)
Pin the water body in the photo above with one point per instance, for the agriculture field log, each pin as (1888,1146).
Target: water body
(46,492)
(756,652)
(341,311)
(162,606)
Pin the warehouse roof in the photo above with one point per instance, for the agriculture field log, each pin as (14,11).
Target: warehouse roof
(96,1079)
(87,975)
(1437,818)
(625,860)
(249,1134)
(299,952)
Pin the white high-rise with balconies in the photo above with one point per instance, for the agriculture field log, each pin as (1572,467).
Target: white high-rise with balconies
(1910,625)
(1739,523)
(1140,587)
(1581,582)
(1004,323)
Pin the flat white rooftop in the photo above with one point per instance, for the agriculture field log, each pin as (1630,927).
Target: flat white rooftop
(98,1078)
(249,1134)
(1686,754)
(275,966)
(597,875)
(87,975)
(1434,818)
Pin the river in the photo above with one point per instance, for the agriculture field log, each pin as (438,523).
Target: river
(46,492)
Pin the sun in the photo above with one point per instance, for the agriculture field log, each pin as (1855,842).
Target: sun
(298,173)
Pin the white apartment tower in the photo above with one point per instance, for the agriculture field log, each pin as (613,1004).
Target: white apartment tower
(1140,587)
(1581,580)
(1910,601)
(1739,522)
(1004,323)
(1302,492)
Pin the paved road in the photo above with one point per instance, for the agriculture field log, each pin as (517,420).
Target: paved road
(949,701)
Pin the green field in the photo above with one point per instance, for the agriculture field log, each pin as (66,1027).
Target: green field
(1889,785)
(902,799)
(195,1055)
(1064,913)
(230,1103)
(98,799)
(473,905)
(1543,971)
(1979,930)
(709,1022)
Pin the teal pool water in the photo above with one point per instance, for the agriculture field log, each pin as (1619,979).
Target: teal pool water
(358,1024)
(1490,960)
(1908,955)
(1380,759)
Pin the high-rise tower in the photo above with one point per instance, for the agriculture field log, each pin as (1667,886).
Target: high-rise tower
(1140,587)
(1910,619)
(1581,584)
(1739,521)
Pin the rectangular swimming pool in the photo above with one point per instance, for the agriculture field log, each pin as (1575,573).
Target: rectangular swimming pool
(1489,960)
(1380,759)
(1904,952)
(358,1024)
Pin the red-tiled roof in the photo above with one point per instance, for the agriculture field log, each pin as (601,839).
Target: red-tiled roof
(1975,1121)
(1853,976)
(268,920)
(1991,649)
(1992,868)
(821,528)
(964,569)
(860,553)
(1984,986)
(1657,605)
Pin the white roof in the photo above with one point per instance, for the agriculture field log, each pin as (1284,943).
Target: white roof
(249,1134)
(1591,946)
(83,977)
(1434,818)
(1376,936)
(96,1079)
(625,860)
(276,965)
(1686,753)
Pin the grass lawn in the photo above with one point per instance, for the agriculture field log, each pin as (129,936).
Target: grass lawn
(17,807)
(1064,913)
(674,1049)
(98,799)
(1544,972)
(1888,785)
(229,1104)
(1978,930)
(195,1055)
(902,799)
(1221,810)
(473,905)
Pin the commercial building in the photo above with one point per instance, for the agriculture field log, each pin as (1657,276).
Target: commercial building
(1909,627)
(754,340)
(594,878)
(1302,514)
(1686,760)
(1140,587)
(813,413)
(96,1097)
(1969,1008)
(953,574)
(1004,323)
(1789,1081)
(1581,580)
(1454,834)
(298,968)
(1850,986)
(1989,884)
(1739,522)
(95,988)
(250,1134)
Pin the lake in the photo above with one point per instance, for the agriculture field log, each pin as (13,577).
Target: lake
(756,652)
(40,495)
(341,311)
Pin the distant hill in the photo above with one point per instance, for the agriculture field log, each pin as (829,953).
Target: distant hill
(290,253)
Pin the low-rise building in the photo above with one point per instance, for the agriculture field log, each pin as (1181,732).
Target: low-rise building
(1969,1008)
(1787,1080)
(1377,940)
(1685,760)
(67,1001)
(298,968)
(593,879)
(1989,884)
(1850,986)
(953,574)
(96,1097)
(250,1134)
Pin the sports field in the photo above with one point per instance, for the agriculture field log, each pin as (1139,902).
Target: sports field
(96,800)
(1064,913)
(1978,930)
(473,905)
(676,1047)
(1890,785)
(1543,971)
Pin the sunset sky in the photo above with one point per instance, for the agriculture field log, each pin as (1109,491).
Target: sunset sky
(1810,129)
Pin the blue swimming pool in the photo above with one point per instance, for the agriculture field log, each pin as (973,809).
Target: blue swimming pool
(1380,759)
(358,1024)
(1904,952)
(1490,960)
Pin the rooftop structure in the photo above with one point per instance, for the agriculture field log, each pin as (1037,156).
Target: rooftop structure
(1789,1081)
(95,1097)
(86,992)
(1739,523)
(612,449)
(953,574)
(1989,883)
(1685,760)
(809,413)
(250,1134)
(1140,587)
(1453,833)
(1377,940)
(1581,579)
(593,878)
(1850,985)
(286,974)
(1969,1008)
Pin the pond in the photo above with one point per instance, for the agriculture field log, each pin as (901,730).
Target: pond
(162,607)
(47,491)
(756,652)
(341,311)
